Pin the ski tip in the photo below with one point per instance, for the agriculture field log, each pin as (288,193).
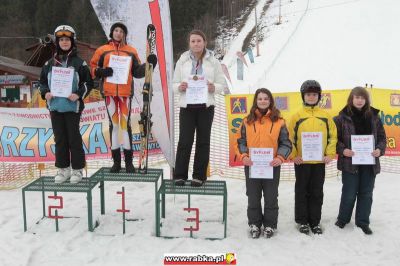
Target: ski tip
(151,27)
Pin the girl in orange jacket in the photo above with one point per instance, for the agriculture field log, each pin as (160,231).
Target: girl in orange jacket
(118,91)
(263,128)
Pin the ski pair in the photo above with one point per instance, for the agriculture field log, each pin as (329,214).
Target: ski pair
(145,122)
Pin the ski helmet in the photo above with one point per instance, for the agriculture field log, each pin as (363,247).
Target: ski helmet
(65,31)
(311,86)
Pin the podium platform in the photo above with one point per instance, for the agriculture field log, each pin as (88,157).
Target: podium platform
(46,184)
(103,175)
(211,188)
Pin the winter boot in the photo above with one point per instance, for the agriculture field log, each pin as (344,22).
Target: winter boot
(128,161)
(269,232)
(317,230)
(366,229)
(179,182)
(116,155)
(76,176)
(304,229)
(196,182)
(63,174)
(340,224)
(254,231)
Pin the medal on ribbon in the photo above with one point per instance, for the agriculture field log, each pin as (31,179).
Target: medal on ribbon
(195,77)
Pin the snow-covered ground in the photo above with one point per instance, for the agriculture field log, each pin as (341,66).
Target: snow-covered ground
(74,245)
(340,43)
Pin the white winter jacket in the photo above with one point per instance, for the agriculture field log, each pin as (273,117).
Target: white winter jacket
(212,70)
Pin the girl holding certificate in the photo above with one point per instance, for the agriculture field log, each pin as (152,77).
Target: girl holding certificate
(313,134)
(116,63)
(358,118)
(198,77)
(263,131)
(64,82)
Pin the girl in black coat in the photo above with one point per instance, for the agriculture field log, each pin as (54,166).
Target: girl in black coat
(358,118)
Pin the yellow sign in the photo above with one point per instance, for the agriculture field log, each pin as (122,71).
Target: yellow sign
(387,101)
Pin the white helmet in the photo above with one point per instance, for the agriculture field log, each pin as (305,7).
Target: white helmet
(65,30)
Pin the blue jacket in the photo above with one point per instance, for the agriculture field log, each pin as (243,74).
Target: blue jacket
(82,83)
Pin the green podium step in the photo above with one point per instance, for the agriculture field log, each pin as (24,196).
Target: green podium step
(103,175)
(211,188)
(46,184)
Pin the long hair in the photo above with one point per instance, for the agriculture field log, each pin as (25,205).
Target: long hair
(359,91)
(124,41)
(203,36)
(275,114)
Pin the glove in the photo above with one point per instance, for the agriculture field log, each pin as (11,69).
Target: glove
(152,59)
(103,72)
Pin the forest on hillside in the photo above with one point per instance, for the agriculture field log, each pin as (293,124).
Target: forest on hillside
(23,22)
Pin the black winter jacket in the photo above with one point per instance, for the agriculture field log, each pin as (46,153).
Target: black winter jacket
(345,128)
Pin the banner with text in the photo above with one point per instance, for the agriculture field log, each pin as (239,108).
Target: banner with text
(26,134)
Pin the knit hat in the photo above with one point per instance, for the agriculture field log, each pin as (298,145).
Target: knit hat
(119,25)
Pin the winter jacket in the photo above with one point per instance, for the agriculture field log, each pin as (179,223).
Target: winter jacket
(263,133)
(313,119)
(101,59)
(82,83)
(212,70)
(345,128)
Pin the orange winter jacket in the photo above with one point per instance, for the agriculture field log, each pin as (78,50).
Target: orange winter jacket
(101,59)
(263,133)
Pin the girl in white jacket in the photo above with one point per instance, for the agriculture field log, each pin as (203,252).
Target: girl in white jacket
(196,115)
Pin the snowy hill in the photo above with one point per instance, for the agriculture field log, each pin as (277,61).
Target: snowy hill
(339,43)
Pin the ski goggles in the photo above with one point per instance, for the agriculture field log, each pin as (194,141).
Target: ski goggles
(65,33)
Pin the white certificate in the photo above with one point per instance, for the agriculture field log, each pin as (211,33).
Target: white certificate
(197,90)
(311,146)
(121,66)
(261,157)
(61,81)
(362,146)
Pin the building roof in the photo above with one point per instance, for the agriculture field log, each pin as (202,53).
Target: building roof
(45,48)
(9,60)
(45,41)
(41,52)
(15,66)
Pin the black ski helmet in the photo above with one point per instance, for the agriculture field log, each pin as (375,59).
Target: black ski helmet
(311,86)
